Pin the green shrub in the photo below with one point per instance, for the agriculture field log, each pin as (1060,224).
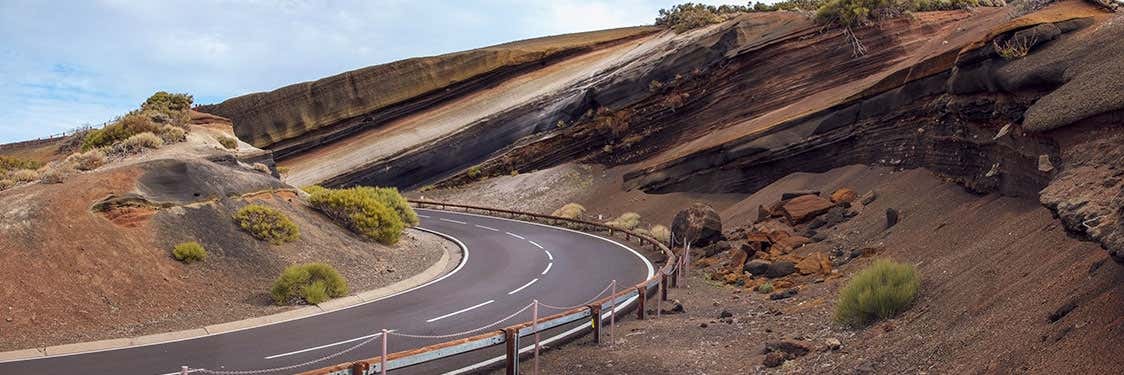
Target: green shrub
(163,101)
(687,16)
(363,210)
(125,127)
(661,233)
(313,189)
(53,175)
(880,291)
(627,221)
(765,288)
(188,252)
(227,142)
(172,134)
(24,175)
(8,163)
(390,197)
(267,224)
(473,172)
(310,283)
(1015,47)
(6,184)
(87,161)
(137,143)
(569,211)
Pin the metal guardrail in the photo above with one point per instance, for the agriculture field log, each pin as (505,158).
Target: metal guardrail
(596,311)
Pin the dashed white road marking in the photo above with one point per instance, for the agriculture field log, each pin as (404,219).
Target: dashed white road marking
(548,256)
(459,311)
(322,346)
(488,228)
(536,244)
(548,265)
(522,287)
(516,235)
(423,216)
(453,221)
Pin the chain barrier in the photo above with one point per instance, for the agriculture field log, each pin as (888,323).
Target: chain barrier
(291,367)
(583,304)
(451,335)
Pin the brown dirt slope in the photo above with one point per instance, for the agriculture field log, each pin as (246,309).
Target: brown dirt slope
(74,272)
(993,270)
(269,117)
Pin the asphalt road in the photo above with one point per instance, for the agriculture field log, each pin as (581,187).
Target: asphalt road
(508,264)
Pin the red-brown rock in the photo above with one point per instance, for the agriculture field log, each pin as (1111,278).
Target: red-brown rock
(805,207)
(843,195)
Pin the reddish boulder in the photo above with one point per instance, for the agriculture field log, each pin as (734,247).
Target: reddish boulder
(805,207)
(843,195)
(700,224)
(815,263)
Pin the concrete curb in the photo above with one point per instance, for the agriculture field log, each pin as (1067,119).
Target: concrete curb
(434,271)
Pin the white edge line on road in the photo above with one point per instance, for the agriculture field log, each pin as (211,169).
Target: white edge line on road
(424,216)
(466,309)
(523,287)
(322,346)
(488,228)
(548,255)
(516,235)
(548,265)
(464,260)
(181,372)
(452,221)
(536,244)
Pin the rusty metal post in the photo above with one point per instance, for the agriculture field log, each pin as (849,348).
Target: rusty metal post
(613,315)
(511,338)
(595,312)
(663,287)
(360,367)
(382,359)
(641,296)
(535,329)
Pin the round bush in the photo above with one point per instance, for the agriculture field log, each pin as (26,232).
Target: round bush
(228,142)
(878,292)
(310,283)
(267,223)
(188,252)
(569,211)
(362,210)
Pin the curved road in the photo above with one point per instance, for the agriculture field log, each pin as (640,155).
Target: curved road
(508,264)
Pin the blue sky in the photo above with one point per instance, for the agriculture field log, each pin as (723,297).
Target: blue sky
(67,63)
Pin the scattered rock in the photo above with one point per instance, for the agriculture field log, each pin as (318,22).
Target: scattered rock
(791,347)
(818,222)
(699,224)
(701,325)
(774,359)
(891,217)
(817,262)
(1061,312)
(843,195)
(798,193)
(1002,132)
(865,368)
(1044,164)
(780,269)
(676,308)
(783,295)
(805,207)
(757,267)
(868,197)
(725,314)
(832,344)
(834,216)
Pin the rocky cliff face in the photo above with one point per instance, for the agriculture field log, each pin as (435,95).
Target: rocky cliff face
(320,109)
(732,107)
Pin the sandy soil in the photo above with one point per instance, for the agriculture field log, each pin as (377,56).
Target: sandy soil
(993,270)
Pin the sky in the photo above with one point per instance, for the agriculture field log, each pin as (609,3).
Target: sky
(67,63)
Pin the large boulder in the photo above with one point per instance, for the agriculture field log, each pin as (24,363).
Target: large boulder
(815,263)
(757,267)
(843,195)
(780,269)
(805,207)
(699,224)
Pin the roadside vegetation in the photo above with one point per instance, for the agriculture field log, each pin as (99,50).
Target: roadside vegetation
(627,221)
(267,224)
(569,211)
(309,283)
(843,14)
(379,214)
(189,252)
(881,291)
(228,142)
